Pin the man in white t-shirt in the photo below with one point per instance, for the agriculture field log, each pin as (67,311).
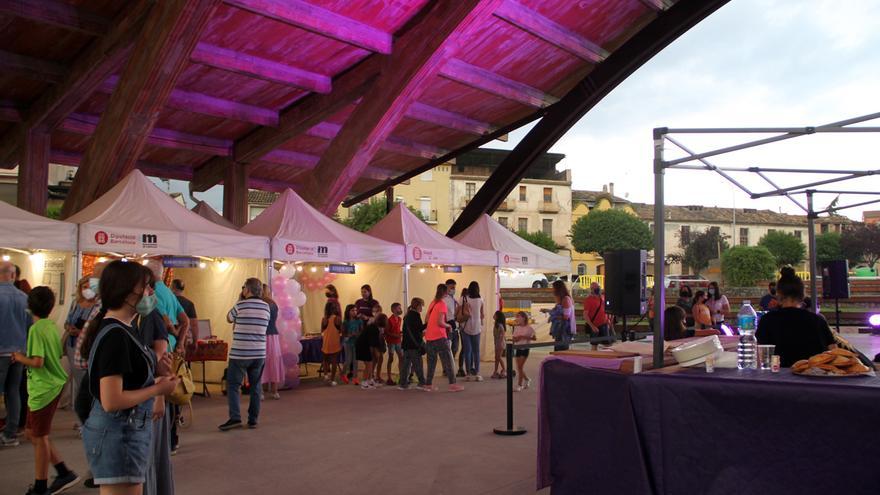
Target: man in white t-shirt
(454,332)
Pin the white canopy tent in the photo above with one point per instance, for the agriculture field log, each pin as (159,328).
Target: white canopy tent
(135,216)
(205,211)
(429,257)
(514,252)
(43,249)
(301,234)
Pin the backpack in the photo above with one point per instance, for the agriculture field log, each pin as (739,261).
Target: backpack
(182,394)
(463,312)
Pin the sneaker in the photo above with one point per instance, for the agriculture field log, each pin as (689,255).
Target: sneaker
(390,382)
(478,378)
(528,382)
(229,425)
(90,483)
(252,425)
(175,449)
(367,386)
(460,373)
(61,483)
(518,389)
(496,376)
(332,384)
(455,388)
(8,442)
(467,378)
(356,381)
(403,387)
(377,384)
(344,379)
(426,388)
(276,396)
(32,491)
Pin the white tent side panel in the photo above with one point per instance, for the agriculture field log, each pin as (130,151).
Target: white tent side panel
(514,252)
(24,230)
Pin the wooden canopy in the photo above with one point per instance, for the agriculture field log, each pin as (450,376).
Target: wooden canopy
(328,97)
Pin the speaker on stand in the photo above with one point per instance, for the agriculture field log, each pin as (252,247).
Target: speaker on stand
(625,284)
(835,284)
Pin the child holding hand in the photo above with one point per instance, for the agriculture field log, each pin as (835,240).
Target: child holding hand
(498,334)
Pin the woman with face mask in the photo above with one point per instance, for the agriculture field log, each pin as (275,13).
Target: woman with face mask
(77,316)
(718,305)
(702,315)
(123,381)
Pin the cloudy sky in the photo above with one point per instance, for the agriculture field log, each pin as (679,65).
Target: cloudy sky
(752,63)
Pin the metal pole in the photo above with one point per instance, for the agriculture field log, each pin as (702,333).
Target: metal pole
(659,247)
(509,429)
(811,239)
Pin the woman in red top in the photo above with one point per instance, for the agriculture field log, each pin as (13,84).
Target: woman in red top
(394,338)
(436,341)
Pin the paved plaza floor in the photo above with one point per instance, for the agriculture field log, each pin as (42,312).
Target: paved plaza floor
(341,440)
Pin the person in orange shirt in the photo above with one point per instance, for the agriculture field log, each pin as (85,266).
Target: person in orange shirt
(394,338)
(594,312)
(332,344)
(437,340)
(702,315)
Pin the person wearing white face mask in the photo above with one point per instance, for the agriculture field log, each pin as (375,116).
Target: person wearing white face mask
(80,308)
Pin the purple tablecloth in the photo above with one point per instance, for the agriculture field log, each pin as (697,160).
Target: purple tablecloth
(311,352)
(730,432)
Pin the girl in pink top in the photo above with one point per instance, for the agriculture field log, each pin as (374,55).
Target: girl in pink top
(523,333)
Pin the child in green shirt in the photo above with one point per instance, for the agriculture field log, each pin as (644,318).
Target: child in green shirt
(45,379)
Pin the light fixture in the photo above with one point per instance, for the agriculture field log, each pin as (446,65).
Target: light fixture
(222,264)
(422,270)
(145,262)
(202,265)
(299,268)
(874,320)
(314,269)
(102,260)
(407,267)
(6,257)
(326,268)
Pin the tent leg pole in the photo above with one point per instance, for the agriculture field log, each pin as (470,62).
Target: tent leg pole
(659,248)
(811,239)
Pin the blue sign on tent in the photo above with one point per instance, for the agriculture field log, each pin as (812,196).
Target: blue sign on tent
(343,269)
(452,269)
(180,262)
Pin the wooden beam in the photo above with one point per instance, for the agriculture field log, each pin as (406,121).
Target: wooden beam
(406,73)
(401,146)
(321,21)
(260,68)
(86,124)
(96,62)
(235,194)
(33,172)
(550,31)
(31,68)
(444,118)
(159,56)
(490,82)
(56,13)
(152,169)
(209,105)
(9,112)
(657,5)
(295,159)
(271,185)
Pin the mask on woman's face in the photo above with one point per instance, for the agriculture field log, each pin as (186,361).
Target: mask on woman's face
(88,293)
(711,292)
(772,292)
(146,305)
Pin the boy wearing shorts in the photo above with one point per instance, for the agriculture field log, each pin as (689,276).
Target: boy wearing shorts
(45,379)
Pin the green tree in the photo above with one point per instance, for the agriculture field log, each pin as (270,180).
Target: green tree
(540,239)
(745,266)
(54,211)
(828,247)
(786,248)
(364,215)
(610,230)
(699,249)
(860,243)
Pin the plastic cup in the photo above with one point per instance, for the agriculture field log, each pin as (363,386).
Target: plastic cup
(765,356)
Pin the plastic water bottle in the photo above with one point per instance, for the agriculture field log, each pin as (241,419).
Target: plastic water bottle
(747,350)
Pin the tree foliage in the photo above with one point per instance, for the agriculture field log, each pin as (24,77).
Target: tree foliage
(787,249)
(828,247)
(540,239)
(860,243)
(610,230)
(699,249)
(745,266)
(363,216)
(54,212)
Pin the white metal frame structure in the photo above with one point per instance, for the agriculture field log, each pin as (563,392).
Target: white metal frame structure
(662,135)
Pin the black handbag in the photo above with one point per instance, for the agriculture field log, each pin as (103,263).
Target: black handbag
(82,404)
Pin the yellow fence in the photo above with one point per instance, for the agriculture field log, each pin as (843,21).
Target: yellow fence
(586,280)
(805,276)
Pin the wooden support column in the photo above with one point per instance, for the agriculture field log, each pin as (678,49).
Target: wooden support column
(33,172)
(235,193)
(417,58)
(161,51)
(389,199)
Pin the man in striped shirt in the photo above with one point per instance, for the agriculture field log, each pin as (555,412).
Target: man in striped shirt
(247,355)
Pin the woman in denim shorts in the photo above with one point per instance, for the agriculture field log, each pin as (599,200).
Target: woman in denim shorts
(122,381)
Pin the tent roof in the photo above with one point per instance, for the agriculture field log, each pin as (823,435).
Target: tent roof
(514,251)
(205,211)
(426,245)
(299,232)
(25,230)
(135,216)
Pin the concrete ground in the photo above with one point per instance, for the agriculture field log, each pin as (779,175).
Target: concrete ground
(341,440)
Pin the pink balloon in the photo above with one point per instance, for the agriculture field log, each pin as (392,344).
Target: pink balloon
(287,313)
(296,347)
(296,325)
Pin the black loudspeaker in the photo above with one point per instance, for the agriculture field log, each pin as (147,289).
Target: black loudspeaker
(835,279)
(625,286)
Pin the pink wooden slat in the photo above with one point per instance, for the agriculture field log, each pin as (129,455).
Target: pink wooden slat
(329,130)
(261,68)
(444,118)
(550,31)
(180,172)
(490,82)
(321,21)
(291,158)
(57,14)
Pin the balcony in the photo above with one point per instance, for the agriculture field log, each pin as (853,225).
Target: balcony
(507,205)
(549,207)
